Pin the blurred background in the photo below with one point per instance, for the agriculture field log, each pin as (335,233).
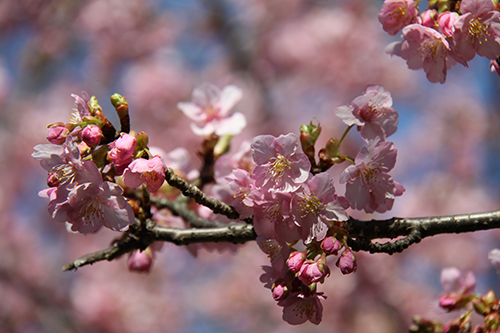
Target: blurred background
(294,60)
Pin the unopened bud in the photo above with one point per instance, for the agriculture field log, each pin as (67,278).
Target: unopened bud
(92,135)
(347,262)
(330,245)
(57,135)
(141,261)
(121,106)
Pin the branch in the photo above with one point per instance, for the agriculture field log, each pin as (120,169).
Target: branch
(194,192)
(361,234)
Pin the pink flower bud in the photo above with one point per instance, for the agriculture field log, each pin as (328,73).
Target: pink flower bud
(330,245)
(430,18)
(141,171)
(92,135)
(279,291)
(448,303)
(312,272)
(57,135)
(53,180)
(447,23)
(347,262)
(295,261)
(141,261)
(122,149)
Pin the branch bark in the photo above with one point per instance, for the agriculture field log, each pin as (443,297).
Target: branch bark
(361,234)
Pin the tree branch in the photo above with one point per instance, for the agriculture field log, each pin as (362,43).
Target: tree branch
(194,192)
(361,234)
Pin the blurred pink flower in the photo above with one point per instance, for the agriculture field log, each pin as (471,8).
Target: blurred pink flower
(369,186)
(494,258)
(279,165)
(396,14)
(210,110)
(373,111)
(141,261)
(241,184)
(141,171)
(456,288)
(478,30)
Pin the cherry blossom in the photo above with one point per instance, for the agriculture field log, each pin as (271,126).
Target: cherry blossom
(425,48)
(89,206)
(397,14)
(299,308)
(149,172)
(279,165)
(122,149)
(313,271)
(477,30)
(92,135)
(456,288)
(315,204)
(141,261)
(373,111)
(369,186)
(210,110)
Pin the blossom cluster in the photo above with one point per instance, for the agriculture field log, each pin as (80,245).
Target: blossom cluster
(458,294)
(290,199)
(82,160)
(290,204)
(442,35)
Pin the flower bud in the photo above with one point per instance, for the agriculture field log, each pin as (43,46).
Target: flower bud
(308,136)
(447,23)
(279,291)
(91,135)
(57,135)
(295,261)
(121,106)
(330,245)
(430,18)
(141,261)
(347,262)
(122,149)
(313,272)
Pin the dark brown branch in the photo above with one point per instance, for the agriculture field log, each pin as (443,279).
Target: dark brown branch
(194,192)
(361,234)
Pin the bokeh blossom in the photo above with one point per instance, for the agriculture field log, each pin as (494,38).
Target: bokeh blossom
(396,14)
(210,109)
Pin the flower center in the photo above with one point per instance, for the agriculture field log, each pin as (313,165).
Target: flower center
(477,30)
(370,173)
(310,204)
(279,165)
(92,213)
(65,173)
(150,177)
(431,48)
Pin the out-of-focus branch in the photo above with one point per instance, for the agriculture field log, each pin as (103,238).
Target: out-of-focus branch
(361,234)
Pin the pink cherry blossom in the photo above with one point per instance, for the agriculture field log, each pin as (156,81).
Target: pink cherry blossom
(89,206)
(347,262)
(210,110)
(456,288)
(92,135)
(122,149)
(430,18)
(64,164)
(369,186)
(272,215)
(494,258)
(313,272)
(478,30)
(279,165)
(298,308)
(447,23)
(396,14)
(296,260)
(57,135)
(149,172)
(315,204)
(426,48)
(373,112)
(141,261)
(330,245)
(241,184)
